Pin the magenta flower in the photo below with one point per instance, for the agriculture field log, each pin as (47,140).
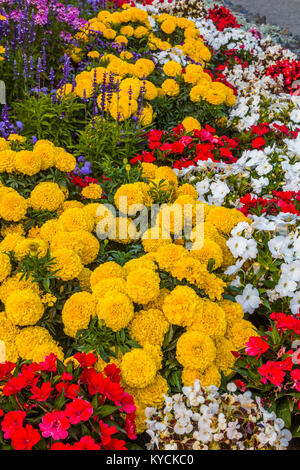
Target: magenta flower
(55,425)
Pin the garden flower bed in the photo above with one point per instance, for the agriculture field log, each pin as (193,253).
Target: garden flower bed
(149,241)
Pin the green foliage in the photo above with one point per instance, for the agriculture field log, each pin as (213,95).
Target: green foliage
(46,119)
(107,343)
(38,268)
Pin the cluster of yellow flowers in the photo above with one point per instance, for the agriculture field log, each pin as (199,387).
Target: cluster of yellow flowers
(128,78)
(43,156)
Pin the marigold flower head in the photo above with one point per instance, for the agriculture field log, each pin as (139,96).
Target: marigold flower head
(67,264)
(77,312)
(76,219)
(106,271)
(210,319)
(195,350)
(138,368)
(152,395)
(46,151)
(13,283)
(92,191)
(35,343)
(30,246)
(64,161)
(206,250)
(13,207)
(190,124)
(46,196)
(5,266)
(142,285)
(180,305)
(28,163)
(116,309)
(107,285)
(24,307)
(7,161)
(149,326)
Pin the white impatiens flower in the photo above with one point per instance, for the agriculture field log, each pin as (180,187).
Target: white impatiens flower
(249,299)
(295,303)
(203,186)
(237,245)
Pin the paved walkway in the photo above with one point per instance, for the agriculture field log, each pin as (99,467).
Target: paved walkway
(284,13)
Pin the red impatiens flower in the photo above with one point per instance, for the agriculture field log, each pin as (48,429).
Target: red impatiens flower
(86,443)
(106,432)
(41,394)
(6,368)
(70,390)
(85,360)
(49,364)
(55,425)
(61,446)
(116,444)
(14,385)
(11,421)
(258,143)
(94,381)
(112,371)
(25,438)
(273,372)
(78,410)
(256,346)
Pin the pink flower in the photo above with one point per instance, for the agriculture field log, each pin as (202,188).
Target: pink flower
(55,425)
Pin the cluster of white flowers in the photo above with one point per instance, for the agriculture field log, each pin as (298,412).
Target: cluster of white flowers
(201,418)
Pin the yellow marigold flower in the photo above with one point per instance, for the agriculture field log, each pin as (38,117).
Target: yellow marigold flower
(230,99)
(142,285)
(146,116)
(187,190)
(206,250)
(211,376)
(152,395)
(35,342)
(64,161)
(4,144)
(126,55)
(140,418)
(168,26)
(143,68)
(7,161)
(215,97)
(46,152)
(93,54)
(8,331)
(195,350)
(106,271)
(50,228)
(12,229)
(131,84)
(159,301)
(109,33)
(149,326)
(180,306)
(67,263)
(13,207)
(239,333)
(121,39)
(46,196)
(170,87)
(140,31)
(24,307)
(138,368)
(166,173)
(5,266)
(168,256)
(71,205)
(32,247)
(150,90)
(83,243)
(65,91)
(127,31)
(172,68)
(209,319)
(127,195)
(116,309)
(149,170)
(77,219)
(233,311)
(28,163)
(107,285)
(13,283)
(154,238)
(224,357)
(92,191)
(139,263)
(225,219)
(77,312)
(190,124)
